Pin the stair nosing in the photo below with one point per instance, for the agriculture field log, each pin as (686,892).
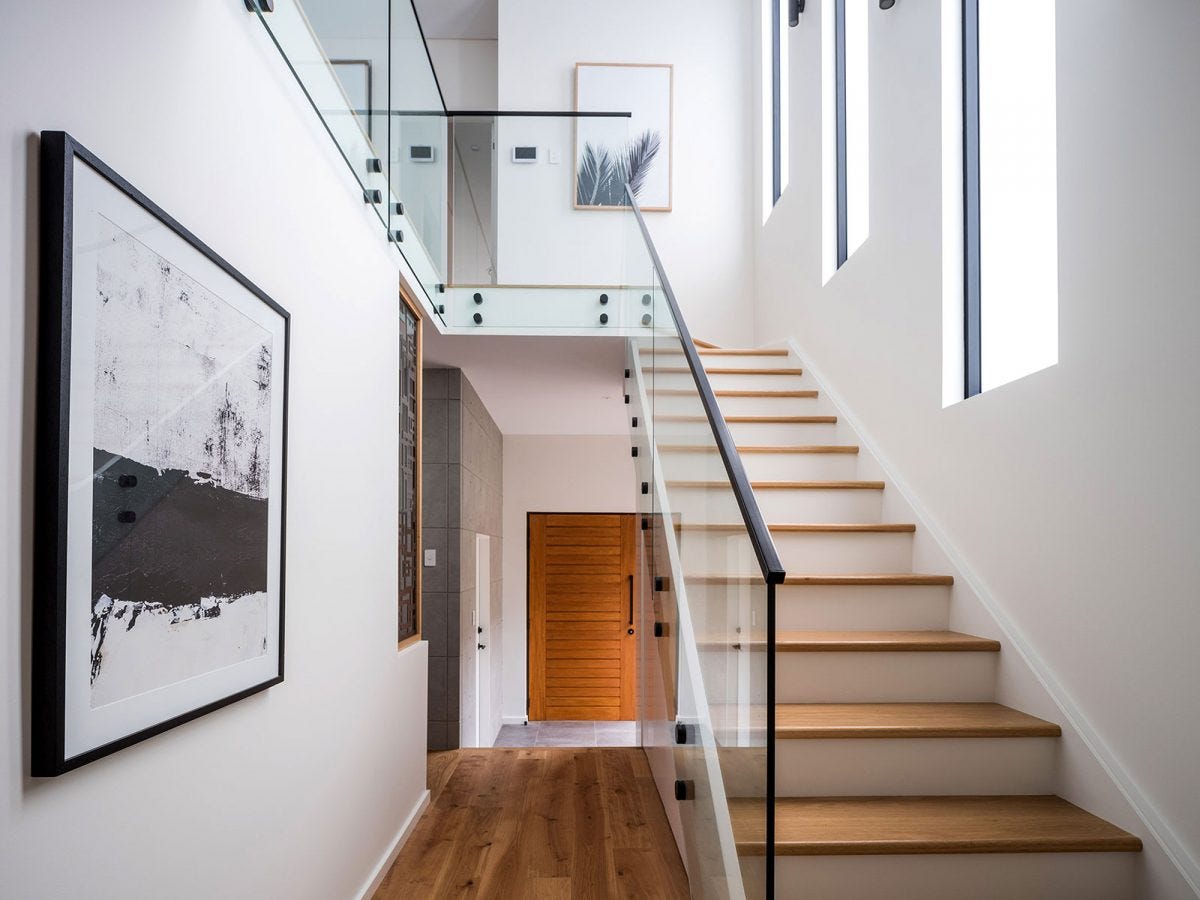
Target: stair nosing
(847,449)
(1078,830)
(790,485)
(1018,724)
(873,579)
(799,528)
(870,642)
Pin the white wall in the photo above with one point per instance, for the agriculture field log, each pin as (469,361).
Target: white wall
(1068,493)
(467,71)
(301,790)
(551,473)
(705,241)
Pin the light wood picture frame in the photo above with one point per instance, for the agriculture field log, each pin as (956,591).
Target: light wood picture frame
(639,148)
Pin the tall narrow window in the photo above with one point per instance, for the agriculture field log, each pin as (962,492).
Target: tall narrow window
(839,81)
(846,126)
(775,103)
(970,74)
(1010,175)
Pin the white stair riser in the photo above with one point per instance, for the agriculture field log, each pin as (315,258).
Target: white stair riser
(804,552)
(884,608)
(885,676)
(691,466)
(765,361)
(705,505)
(967,876)
(787,434)
(737,381)
(717,613)
(674,404)
(884,767)
(755,434)
(673,357)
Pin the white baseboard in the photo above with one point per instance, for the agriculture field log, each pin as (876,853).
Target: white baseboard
(1156,825)
(514,720)
(385,864)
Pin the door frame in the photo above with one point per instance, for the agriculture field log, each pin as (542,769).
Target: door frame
(637,597)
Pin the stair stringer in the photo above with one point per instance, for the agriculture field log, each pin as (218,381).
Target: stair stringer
(1088,773)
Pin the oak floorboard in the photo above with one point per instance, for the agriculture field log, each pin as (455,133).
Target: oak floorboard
(539,823)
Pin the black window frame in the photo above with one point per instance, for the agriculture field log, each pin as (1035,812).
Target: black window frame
(972,332)
(839,94)
(776,102)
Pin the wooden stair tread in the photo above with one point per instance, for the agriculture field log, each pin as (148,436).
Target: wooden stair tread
(789,485)
(882,641)
(800,721)
(708,350)
(755,420)
(848,449)
(727,370)
(872,580)
(682,392)
(834,528)
(827,826)
(867,642)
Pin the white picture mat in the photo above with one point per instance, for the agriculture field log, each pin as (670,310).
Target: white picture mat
(86,728)
(644,91)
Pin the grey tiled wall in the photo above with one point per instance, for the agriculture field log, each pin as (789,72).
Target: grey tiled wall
(461,470)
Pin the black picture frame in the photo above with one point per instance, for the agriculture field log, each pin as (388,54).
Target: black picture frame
(58,154)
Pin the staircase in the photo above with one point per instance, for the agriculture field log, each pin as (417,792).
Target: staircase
(898,776)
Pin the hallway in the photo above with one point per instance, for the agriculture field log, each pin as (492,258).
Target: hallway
(539,823)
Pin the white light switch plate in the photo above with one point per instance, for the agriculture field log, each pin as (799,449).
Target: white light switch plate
(430,558)
(555,157)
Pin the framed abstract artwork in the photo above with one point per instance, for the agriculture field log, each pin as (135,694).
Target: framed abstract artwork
(612,151)
(160,479)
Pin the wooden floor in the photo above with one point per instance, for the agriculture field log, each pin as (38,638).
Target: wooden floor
(539,823)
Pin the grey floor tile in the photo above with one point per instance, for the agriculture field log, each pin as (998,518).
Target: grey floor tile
(566,734)
(517,736)
(616,734)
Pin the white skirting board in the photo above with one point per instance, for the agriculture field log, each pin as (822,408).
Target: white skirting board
(385,864)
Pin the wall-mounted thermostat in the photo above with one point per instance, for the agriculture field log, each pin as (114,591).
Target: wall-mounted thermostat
(525,154)
(421,153)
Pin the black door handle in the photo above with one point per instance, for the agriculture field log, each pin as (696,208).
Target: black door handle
(481,646)
(630,604)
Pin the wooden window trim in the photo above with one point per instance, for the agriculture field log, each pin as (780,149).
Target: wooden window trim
(415,309)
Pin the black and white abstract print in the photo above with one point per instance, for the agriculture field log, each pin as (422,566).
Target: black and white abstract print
(180,479)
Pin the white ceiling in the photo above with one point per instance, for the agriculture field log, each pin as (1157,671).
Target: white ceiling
(541,385)
(443,19)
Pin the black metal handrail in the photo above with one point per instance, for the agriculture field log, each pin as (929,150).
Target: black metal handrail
(760,535)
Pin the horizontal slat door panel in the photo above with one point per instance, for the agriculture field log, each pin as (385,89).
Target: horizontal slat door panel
(584,520)
(595,681)
(582,537)
(580,649)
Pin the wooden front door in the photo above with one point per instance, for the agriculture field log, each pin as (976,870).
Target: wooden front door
(582,637)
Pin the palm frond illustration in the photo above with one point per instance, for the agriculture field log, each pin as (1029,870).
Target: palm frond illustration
(602,179)
(595,176)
